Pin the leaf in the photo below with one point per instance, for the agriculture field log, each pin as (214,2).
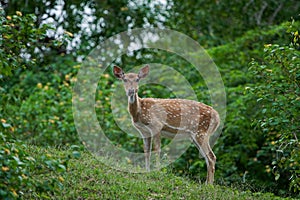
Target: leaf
(48,163)
(75,147)
(258,100)
(62,167)
(76,154)
(277,177)
(5,125)
(19,162)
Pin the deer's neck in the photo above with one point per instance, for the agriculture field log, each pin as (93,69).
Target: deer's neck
(134,108)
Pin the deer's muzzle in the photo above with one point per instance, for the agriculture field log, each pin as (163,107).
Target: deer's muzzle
(130,92)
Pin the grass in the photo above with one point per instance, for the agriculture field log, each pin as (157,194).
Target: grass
(88,178)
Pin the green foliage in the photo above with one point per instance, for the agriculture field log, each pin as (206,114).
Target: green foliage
(214,23)
(277,96)
(22,42)
(39,108)
(91,21)
(51,119)
(236,149)
(22,173)
(24,117)
(259,146)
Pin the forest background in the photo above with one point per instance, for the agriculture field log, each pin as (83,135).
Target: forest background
(255,45)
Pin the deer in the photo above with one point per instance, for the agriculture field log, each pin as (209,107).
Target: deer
(155,118)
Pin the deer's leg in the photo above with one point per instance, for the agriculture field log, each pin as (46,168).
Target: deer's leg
(210,162)
(147,151)
(210,158)
(157,148)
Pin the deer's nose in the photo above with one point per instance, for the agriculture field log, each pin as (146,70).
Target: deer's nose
(130,92)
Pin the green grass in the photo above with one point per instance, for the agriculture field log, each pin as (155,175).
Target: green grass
(88,178)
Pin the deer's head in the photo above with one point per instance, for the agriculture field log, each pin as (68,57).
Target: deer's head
(131,81)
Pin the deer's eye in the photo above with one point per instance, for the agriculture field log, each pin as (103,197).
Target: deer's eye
(137,80)
(125,80)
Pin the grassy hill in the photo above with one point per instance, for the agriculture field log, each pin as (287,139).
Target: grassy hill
(88,178)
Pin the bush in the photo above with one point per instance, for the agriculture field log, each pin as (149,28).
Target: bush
(277,95)
(23,43)
(46,117)
(20,173)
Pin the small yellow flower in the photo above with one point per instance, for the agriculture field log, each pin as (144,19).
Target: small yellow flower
(124,8)
(7,151)
(267,45)
(51,121)
(24,176)
(19,13)
(106,75)
(76,66)
(56,118)
(272,142)
(3,120)
(61,179)
(39,85)
(12,129)
(5,169)
(46,87)
(296,33)
(66,84)
(14,192)
(67,77)
(8,17)
(73,79)
(128,160)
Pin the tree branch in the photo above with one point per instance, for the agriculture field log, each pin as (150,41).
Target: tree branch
(271,19)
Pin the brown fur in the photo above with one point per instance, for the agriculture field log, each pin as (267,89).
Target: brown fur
(153,117)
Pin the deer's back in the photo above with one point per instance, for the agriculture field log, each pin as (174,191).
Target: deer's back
(179,115)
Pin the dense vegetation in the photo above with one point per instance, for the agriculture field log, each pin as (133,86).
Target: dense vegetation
(256,46)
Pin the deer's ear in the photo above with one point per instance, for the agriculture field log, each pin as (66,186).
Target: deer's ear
(118,72)
(144,72)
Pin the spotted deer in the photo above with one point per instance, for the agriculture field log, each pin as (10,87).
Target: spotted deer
(154,118)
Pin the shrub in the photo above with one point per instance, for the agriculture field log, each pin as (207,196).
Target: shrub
(277,95)
(24,43)
(20,173)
